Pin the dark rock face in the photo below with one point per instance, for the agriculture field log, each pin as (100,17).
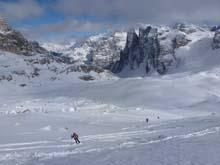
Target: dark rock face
(215,28)
(148,49)
(216,40)
(142,49)
(13,41)
(131,51)
(87,78)
(180,40)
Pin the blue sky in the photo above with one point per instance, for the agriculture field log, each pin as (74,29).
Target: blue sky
(56,19)
(45,21)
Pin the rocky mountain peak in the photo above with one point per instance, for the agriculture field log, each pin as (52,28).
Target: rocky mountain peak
(144,31)
(216,40)
(13,41)
(142,49)
(215,28)
(99,50)
(132,39)
(152,49)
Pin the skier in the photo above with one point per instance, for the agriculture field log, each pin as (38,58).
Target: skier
(147,120)
(75,137)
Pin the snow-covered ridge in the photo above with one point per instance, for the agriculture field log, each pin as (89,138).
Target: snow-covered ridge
(60,47)
(100,50)
(168,48)
(104,50)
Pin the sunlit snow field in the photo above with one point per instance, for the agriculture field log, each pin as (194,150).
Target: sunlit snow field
(36,121)
(184,124)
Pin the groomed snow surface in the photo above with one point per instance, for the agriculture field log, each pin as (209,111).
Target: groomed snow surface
(36,121)
(110,118)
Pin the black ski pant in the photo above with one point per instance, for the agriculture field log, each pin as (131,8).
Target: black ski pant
(77,141)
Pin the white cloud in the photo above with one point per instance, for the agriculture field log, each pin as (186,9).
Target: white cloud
(96,15)
(20,9)
(64,28)
(149,11)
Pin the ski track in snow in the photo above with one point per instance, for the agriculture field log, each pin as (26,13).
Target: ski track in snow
(13,151)
(100,137)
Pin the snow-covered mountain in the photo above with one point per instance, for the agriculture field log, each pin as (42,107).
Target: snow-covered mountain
(99,50)
(24,62)
(139,52)
(156,48)
(59,47)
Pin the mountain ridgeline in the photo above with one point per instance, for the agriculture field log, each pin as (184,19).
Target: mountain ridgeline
(154,48)
(24,62)
(13,41)
(136,52)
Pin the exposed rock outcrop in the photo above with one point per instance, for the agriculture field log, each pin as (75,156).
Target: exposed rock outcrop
(142,49)
(148,50)
(180,40)
(216,40)
(215,28)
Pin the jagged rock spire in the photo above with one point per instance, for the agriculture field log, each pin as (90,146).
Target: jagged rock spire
(144,48)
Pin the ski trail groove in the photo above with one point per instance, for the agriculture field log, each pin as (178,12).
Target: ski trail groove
(84,138)
(128,144)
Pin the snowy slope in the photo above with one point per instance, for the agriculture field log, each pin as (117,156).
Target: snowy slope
(110,115)
(60,47)
(22,71)
(110,119)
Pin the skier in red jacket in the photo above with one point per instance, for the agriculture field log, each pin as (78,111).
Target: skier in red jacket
(75,137)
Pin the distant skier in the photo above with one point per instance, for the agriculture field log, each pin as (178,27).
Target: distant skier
(75,137)
(147,120)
